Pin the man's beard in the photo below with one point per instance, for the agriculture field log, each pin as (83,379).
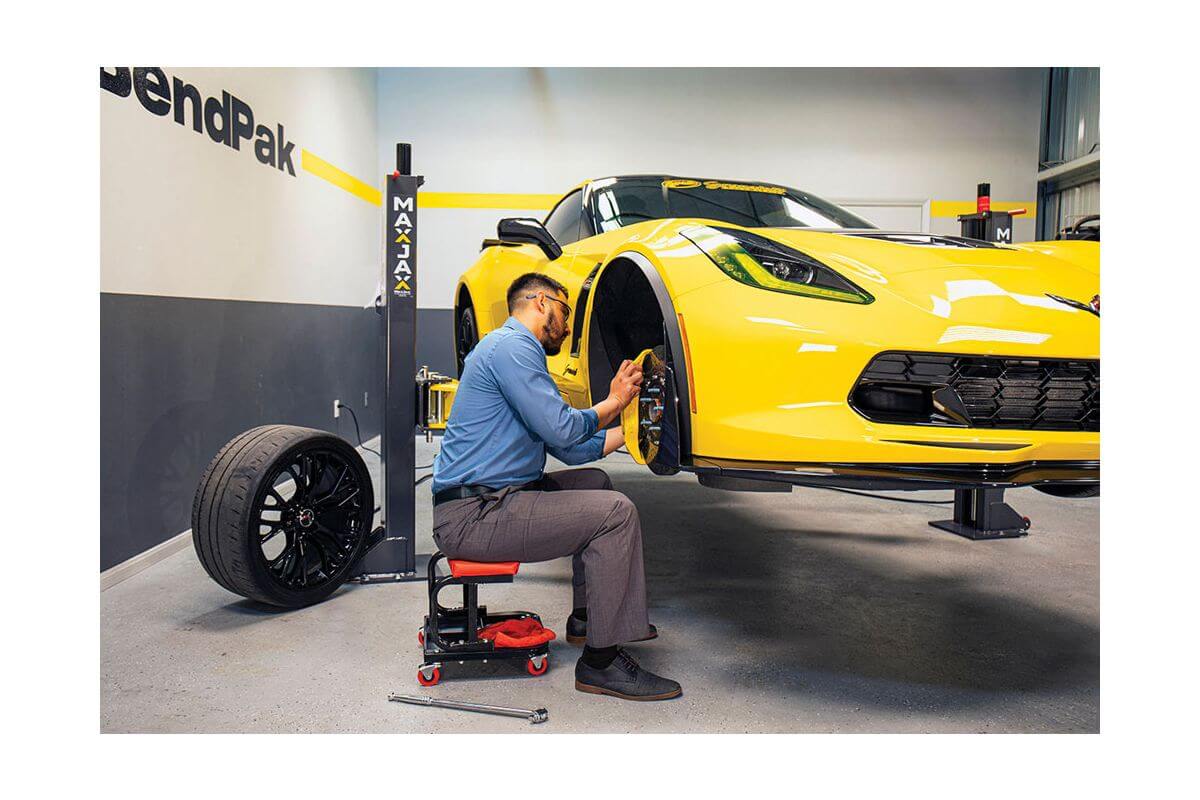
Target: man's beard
(550,343)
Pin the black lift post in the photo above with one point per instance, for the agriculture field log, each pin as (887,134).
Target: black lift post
(395,557)
(981,513)
(985,224)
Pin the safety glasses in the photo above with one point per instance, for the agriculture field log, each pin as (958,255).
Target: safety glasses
(566,308)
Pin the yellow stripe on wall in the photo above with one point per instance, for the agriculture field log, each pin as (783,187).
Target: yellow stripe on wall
(343,180)
(486,200)
(952,208)
(542,202)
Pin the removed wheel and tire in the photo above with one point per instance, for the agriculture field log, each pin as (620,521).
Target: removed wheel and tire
(282,513)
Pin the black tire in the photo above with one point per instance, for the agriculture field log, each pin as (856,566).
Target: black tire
(242,505)
(466,334)
(1069,490)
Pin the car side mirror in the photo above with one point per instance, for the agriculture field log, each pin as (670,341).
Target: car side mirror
(524,230)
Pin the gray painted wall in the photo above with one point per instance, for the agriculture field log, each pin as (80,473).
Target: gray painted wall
(179,377)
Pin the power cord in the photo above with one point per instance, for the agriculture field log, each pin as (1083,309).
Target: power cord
(357,432)
(358,435)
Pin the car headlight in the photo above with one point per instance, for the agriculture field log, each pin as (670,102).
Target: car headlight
(758,261)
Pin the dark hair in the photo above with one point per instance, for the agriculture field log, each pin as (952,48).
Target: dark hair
(532,282)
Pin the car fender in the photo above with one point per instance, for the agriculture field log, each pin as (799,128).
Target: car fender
(677,348)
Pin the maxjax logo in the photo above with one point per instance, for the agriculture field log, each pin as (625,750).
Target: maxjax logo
(227,120)
(402,207)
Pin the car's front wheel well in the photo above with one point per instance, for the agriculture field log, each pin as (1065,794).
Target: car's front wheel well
(626,319)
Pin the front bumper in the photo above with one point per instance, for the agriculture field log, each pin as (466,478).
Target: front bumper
(773,377)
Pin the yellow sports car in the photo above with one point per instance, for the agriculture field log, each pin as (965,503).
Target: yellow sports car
(788,341)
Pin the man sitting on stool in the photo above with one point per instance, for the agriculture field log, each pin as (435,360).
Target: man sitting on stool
(494,502)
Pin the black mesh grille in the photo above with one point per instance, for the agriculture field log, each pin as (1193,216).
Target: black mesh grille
(1014,393)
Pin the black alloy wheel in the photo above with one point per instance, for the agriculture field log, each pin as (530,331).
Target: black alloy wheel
(309,518)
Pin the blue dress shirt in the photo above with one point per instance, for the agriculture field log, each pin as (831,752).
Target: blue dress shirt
(507,414)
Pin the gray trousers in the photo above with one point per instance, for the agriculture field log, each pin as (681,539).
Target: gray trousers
(568,513)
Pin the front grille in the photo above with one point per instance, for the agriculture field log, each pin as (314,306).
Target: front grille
(995,392)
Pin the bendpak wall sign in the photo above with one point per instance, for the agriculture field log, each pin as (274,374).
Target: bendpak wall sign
(227,119)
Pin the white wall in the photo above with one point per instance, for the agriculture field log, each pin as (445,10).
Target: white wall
(183,216)
(864,135)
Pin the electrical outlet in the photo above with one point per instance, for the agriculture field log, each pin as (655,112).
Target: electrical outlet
(337,408)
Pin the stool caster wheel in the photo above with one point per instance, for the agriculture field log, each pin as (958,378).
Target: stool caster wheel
(537,665)
(429,676)
(421,637)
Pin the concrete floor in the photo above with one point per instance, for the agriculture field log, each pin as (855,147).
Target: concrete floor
(814,611)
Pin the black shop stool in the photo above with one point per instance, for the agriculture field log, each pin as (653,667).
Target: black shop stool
(452,634)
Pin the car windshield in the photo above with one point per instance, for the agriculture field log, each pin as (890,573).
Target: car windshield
(626,202)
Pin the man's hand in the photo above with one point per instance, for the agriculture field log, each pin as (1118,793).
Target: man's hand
(622,390)
(626,383)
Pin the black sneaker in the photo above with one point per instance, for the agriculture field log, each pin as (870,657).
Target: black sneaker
(623,678)
(577,632)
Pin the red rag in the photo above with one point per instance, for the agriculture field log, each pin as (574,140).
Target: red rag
(525,632)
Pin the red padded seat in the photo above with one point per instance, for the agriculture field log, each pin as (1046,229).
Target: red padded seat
(479,569)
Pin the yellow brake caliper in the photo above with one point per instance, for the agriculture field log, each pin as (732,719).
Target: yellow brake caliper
(641,420)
